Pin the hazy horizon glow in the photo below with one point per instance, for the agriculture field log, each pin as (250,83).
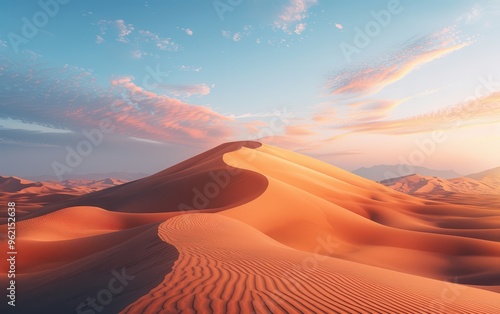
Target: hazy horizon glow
(352,83)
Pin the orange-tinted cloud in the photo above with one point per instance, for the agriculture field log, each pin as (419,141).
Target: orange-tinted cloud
(358,112)
(325,115)
(136,112)
(374,76)
(484,110)
(298,130)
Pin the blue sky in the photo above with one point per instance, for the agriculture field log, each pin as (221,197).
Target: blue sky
(354,83)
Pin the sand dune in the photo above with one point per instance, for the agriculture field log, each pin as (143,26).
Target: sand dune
(369,223)
(202,182)
(248,228)
(220,271)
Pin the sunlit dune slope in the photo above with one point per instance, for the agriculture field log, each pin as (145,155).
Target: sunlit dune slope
(308,200)
(226,266)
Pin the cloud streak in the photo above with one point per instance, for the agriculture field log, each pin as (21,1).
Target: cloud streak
(484,110)
(187,90)
(372,77)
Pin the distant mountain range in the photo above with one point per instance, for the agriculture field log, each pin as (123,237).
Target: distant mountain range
(14,189)
(20,185)
(384,172)
(486,182)
(491,174)
(124,176)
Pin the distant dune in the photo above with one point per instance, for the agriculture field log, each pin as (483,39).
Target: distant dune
(31,196)
(251,228)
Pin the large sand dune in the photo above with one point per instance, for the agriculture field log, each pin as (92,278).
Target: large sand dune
(249,228)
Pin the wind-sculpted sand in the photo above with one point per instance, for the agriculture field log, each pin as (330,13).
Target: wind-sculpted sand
(250,228)
(226,266)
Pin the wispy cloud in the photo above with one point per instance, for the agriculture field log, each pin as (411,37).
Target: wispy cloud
(161,43)
(123,30)
(99,40)
(119,27)
(484,110)
(137,54)
(324,115)
(125,33)
(299,130)
(237,36)
(372,77)
(290,19)
(188,31)
(189,68)
(472,15)
(187,90)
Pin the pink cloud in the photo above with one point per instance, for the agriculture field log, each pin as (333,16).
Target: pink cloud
(369,79)
(325,115)
(295,12)
(144,114)
(481,111)
(300,28)
(298,130)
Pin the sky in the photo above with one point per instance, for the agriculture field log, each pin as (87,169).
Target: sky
(137,86)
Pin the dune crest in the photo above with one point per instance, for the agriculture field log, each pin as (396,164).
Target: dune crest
(247,227)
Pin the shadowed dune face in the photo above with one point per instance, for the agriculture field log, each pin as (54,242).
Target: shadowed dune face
(137,259)
(13,184)
(269,231)
(200,183)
